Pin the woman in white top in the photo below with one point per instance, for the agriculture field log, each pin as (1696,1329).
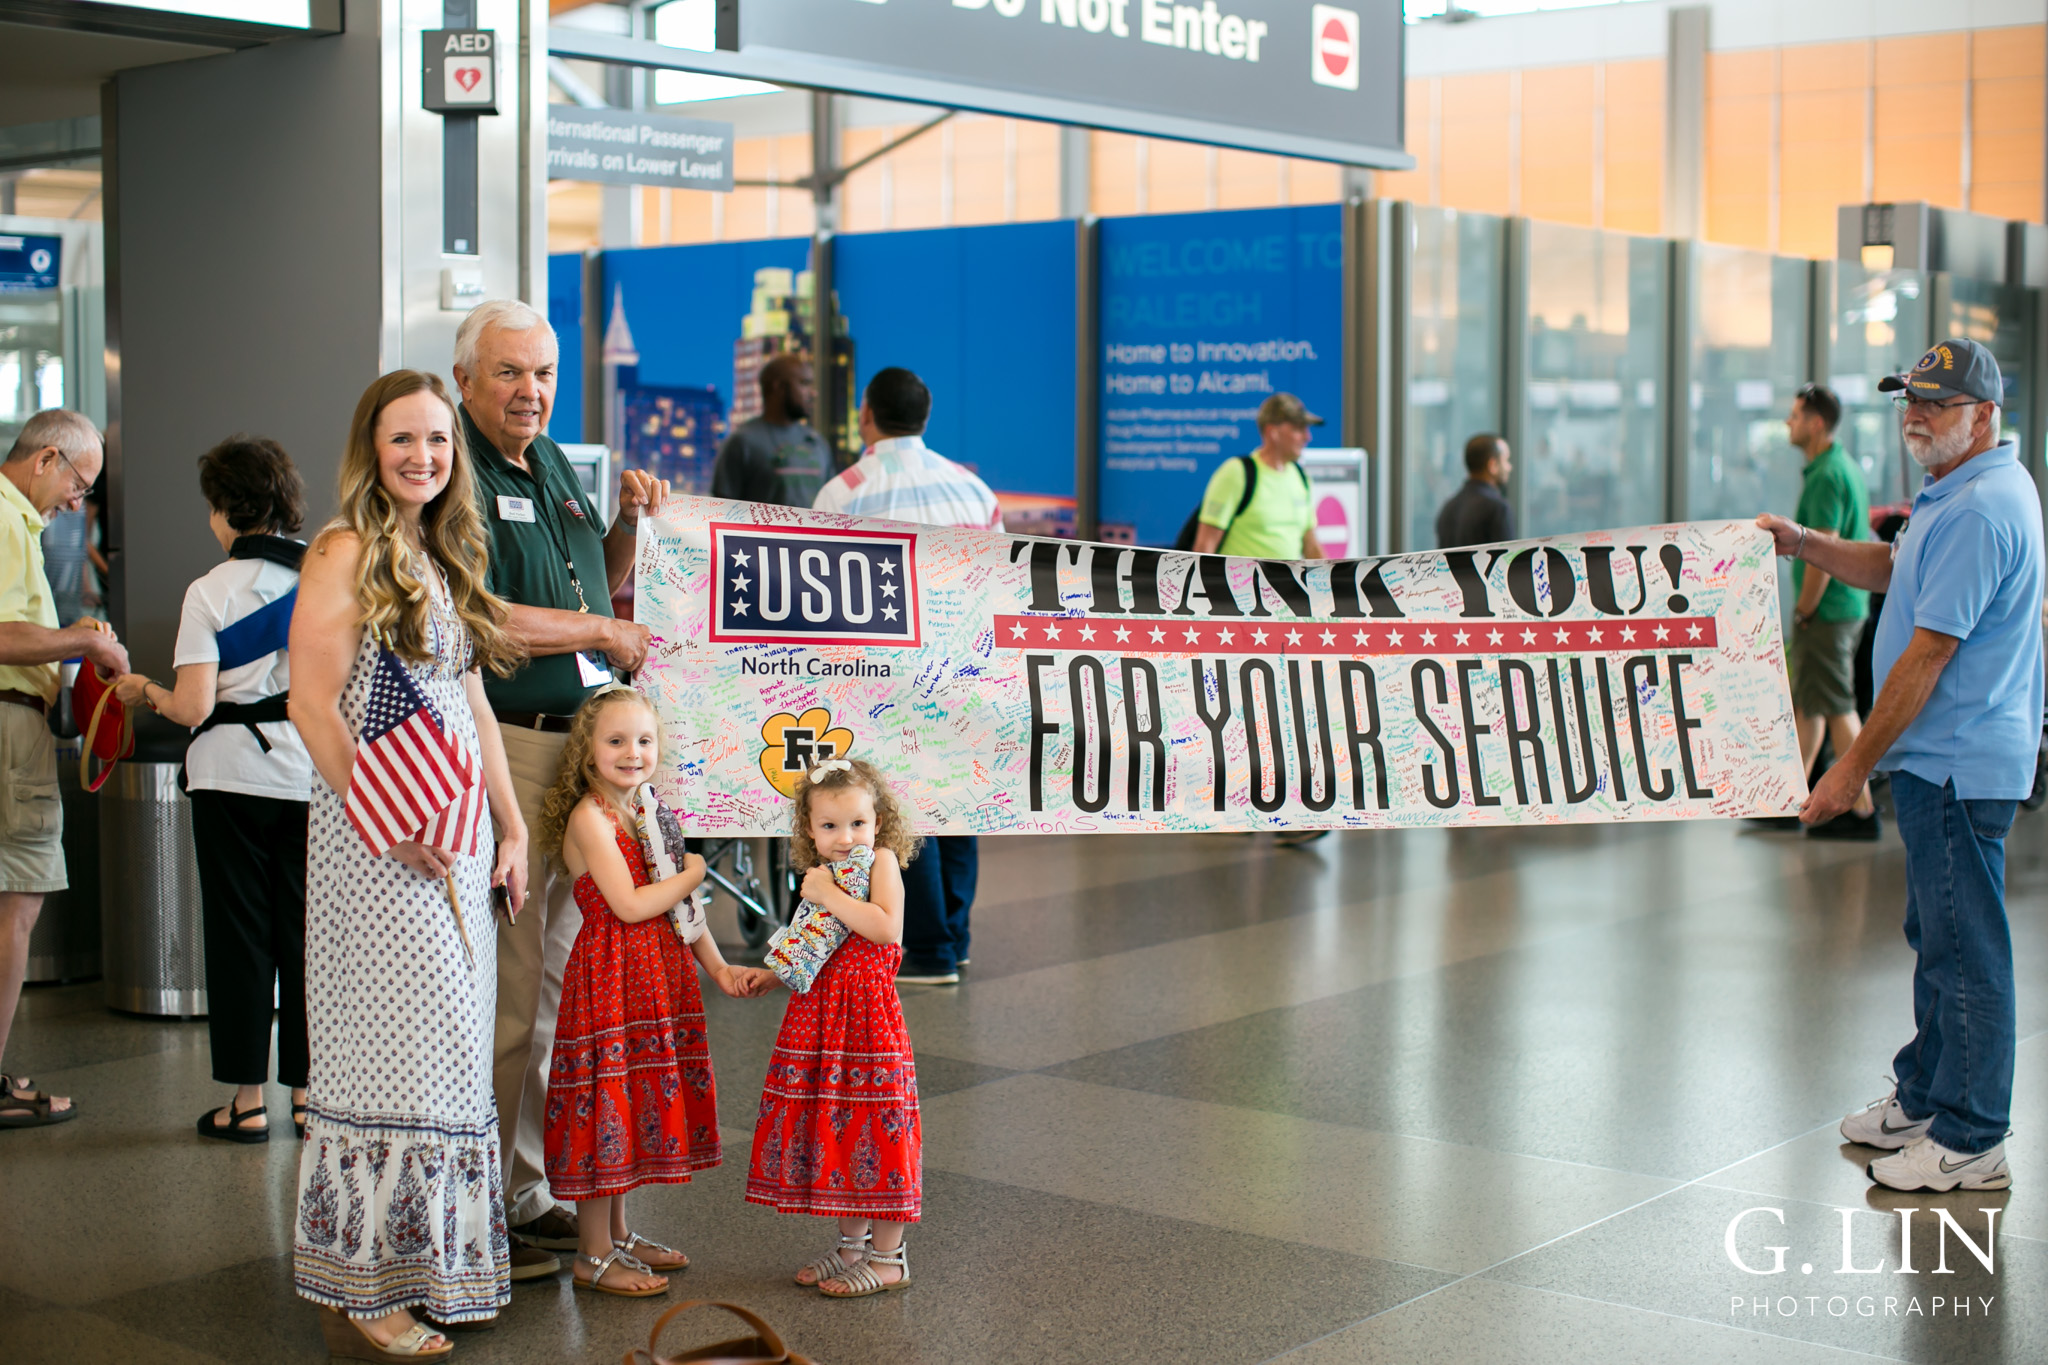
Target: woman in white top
(249,777)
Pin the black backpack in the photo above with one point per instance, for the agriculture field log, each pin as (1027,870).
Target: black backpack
(1186,539)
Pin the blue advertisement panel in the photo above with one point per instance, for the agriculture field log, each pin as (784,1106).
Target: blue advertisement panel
(1202,316)
(29,263)
(565,313)
(985,316)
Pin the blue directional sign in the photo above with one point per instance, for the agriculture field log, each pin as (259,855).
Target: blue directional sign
(29,262)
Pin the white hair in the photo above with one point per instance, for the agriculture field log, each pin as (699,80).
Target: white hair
(504,315)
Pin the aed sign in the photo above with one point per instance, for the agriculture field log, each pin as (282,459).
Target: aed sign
(461,74)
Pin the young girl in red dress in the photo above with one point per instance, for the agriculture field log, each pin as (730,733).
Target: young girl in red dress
(838,1135)
(631,1099)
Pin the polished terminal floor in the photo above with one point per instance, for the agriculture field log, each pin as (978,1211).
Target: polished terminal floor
(1477,1096)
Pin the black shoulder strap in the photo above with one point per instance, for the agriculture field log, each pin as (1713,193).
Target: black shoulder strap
(1251,487)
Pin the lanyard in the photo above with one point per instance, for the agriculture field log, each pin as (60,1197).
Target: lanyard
(546,507)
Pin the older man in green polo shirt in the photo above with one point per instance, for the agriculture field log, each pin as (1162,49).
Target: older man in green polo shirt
(558,566)
(1827,614)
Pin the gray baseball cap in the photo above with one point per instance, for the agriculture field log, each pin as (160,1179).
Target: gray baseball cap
(1956,368)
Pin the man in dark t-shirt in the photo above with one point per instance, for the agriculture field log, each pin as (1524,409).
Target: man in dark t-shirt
(1479,513)
(778,457)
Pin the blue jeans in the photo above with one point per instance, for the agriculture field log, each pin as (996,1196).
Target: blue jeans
(1959,1065)
(938,893)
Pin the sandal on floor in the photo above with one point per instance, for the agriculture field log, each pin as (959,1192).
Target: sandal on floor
(618,1256)
(347,1339)
(829,1265)
(299,1121)
(234,1131)
(634,1239)
(39,1114)
(861,1280)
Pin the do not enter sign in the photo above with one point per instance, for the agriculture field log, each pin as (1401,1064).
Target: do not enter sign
(1334,35)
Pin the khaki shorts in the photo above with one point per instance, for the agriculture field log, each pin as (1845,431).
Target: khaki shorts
(1821,657)
(31,813)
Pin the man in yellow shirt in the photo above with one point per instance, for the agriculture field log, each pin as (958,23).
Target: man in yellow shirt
(53,462)
(1278,520)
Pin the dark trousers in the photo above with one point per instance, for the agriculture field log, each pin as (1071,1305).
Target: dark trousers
(938,893)
(252,891)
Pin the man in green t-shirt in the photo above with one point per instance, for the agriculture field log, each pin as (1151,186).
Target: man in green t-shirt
(1279,521)
(1827,614)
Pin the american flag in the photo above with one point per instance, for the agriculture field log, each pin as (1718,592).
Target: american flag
(412,779)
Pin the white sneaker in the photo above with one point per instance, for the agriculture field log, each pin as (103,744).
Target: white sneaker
(1884,1124)
(1927,1165)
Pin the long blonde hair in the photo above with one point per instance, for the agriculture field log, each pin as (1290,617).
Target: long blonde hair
(892,826)
(577,776)
(395,599)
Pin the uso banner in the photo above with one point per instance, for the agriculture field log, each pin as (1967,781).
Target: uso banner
(1014,685)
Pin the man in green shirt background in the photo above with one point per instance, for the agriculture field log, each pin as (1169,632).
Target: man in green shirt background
(558,566)
(1827,614)
(1279,521)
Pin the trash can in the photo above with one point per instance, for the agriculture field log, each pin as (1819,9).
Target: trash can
(65,944)
(153,945)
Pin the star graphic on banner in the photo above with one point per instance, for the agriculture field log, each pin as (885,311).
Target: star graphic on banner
(1429,637)
(739,584)
(1018,630)
(1052,632)
(1157,634)
(1123,633)
(1692,632)
(888,590)
(1258,637)
(1226,635)
(1493,637)
(888,566)
(888,613)
(1628,634)
(1663,634)
(739,609)
(1194,636)
(739,556)
(1394,637)
(1088,632)
(1359,637)
(1293,637)
(1593,633)
(1564,637)
(1328,638)
(1462,638)
(1528,637)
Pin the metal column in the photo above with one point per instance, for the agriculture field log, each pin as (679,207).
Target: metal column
(1087,379)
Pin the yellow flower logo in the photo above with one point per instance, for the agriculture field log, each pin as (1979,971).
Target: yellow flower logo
(796,742)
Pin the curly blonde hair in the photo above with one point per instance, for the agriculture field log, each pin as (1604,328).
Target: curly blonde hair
(394,597)
(892,826)
(578,775)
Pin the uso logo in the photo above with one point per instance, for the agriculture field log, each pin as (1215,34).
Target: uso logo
(813,587)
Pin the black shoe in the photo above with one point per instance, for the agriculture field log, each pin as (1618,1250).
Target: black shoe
(915,972)
(1849,825)
(1295,838)
(554,1230)
(235,1129)
(531,1263)
(1774,822)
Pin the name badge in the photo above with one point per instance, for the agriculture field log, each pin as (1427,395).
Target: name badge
(592,672)
(514,509)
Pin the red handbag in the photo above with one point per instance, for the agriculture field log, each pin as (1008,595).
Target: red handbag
(106,730)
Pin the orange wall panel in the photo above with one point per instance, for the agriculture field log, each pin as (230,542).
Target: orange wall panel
(2008,200)
(1314,182)
(981,166)
(1923,59)
(1177,178)
(1998,52)
(1038,171)
(1112,173)
(1739,220)
(1248,180)
(1806,227)
(1731,75)
(1813,67)
(1929,168)
(2013,102)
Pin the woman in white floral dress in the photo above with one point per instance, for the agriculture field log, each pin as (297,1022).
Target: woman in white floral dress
(400,1200)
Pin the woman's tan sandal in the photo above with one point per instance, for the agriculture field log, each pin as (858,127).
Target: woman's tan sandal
(861,1280)
(620,1258)
(830,1264)
(634,1241)
(347,1339)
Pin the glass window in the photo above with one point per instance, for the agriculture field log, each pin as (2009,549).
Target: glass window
(1748,359)
(1995,315)
(1454,357)
(1880,328)
(1595,404)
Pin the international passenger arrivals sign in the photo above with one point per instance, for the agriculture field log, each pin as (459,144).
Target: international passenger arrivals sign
(1012,685)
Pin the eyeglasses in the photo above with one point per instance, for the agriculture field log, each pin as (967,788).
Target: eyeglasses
(80,485)
(1906,402)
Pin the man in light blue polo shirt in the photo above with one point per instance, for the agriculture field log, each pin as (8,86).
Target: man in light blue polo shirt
(1957,724)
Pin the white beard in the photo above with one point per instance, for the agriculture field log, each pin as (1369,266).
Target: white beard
(1931,451)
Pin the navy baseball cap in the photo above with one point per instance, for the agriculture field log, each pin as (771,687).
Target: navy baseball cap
(1957,368)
